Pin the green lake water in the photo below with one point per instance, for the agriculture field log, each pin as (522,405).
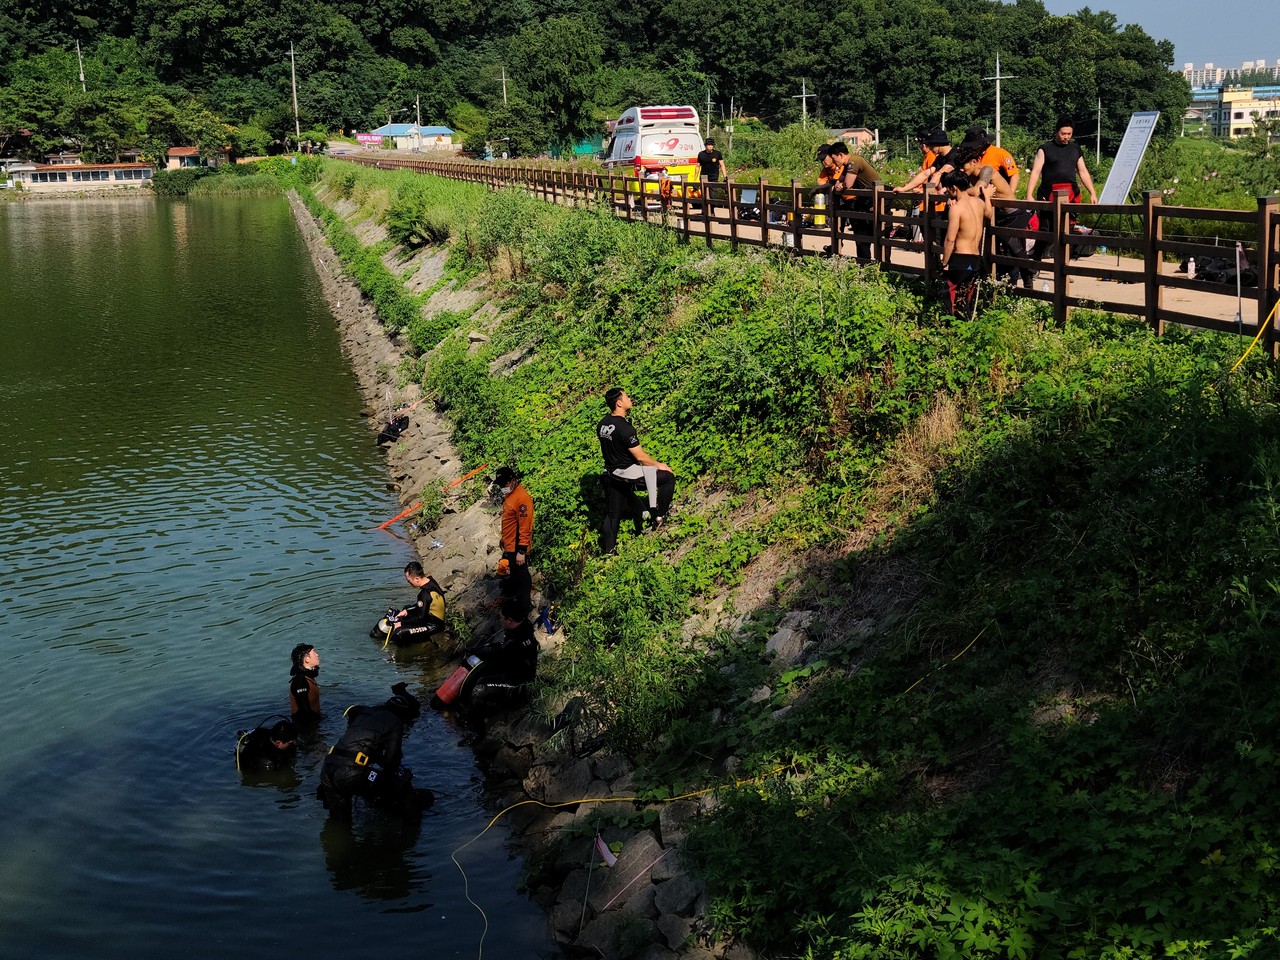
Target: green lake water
(188,491)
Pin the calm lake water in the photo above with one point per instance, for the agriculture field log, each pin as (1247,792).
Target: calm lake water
(188,491)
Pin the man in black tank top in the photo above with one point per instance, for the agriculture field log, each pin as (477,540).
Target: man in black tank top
(1060,161)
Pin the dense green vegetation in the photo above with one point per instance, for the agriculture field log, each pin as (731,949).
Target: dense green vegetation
(1038,716)
(216,73)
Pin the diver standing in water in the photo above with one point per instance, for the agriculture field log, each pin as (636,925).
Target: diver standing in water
(304,692)
(365,762)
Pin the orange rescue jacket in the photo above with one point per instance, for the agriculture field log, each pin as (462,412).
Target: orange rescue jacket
(517,521)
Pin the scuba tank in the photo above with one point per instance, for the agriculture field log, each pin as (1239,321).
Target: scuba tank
(449,690)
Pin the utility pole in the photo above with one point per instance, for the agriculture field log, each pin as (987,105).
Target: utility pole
(731,124)
(293,73)
(80,59)
(944,111)
(504,84)
(417,108)
(803,96)
(707,116)
(997,78)
(1097,149)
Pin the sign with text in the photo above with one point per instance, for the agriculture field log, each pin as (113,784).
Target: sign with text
(369,139)
(1132,149)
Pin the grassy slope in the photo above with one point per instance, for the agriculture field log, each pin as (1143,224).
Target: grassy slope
(1093,775)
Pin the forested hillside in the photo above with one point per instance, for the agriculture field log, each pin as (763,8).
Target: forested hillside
(217,72)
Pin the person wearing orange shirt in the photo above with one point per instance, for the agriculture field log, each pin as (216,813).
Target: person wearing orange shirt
(516,536)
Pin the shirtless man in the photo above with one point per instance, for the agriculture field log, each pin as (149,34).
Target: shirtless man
(971,159)
(962,250)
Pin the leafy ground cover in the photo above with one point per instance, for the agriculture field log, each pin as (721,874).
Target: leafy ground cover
(1037,713)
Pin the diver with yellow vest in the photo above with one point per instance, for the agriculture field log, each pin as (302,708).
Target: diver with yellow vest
(419,621)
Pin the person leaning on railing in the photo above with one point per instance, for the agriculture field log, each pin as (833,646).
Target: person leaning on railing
(847,174)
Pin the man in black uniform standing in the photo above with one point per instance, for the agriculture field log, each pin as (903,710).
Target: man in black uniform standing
(625,463)
(711,163)
(304,692)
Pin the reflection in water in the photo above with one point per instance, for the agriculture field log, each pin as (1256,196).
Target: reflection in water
(369,855)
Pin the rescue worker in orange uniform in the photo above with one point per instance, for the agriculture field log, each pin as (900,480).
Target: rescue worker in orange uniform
(516,537)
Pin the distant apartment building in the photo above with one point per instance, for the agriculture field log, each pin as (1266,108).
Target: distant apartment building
(1211,76)
(1206,76)
(1225,107)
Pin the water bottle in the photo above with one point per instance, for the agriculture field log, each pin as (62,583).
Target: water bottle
(1102,250)
(1191,268)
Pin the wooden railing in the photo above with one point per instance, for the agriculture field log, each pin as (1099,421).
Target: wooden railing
(902,231)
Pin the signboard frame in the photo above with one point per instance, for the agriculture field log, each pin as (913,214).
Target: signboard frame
(1124,169)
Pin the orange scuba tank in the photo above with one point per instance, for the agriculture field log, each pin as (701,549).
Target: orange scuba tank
(449,690)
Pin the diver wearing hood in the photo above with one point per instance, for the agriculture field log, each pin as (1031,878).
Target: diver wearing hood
(365,762)
(304,692)
(267,748)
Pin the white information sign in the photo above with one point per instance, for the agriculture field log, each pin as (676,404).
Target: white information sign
(1132,149)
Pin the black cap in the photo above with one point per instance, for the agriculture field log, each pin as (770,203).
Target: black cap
(823,152)
(977,135)
(504,475)
(937,137)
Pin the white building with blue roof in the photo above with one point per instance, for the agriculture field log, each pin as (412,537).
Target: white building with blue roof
(410,136)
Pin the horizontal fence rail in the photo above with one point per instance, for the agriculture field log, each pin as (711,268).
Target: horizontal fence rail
(903,231)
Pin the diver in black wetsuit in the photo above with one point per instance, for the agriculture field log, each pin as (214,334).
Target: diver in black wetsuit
(365,762)
(421,620)
(304,692)
(508,663)
(265,749)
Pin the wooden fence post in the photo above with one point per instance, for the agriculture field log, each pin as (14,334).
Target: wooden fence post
(706,210)
(833,222)
(762,201)
(684,212)
(1153,230)
(797,236)
(877,221)
(1061,257)
(733,215)
(1267,268)
(926,234)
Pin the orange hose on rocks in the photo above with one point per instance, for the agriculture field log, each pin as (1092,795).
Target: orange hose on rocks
(404,513)
(467,477)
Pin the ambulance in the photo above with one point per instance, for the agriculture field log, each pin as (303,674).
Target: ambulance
(649,140)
